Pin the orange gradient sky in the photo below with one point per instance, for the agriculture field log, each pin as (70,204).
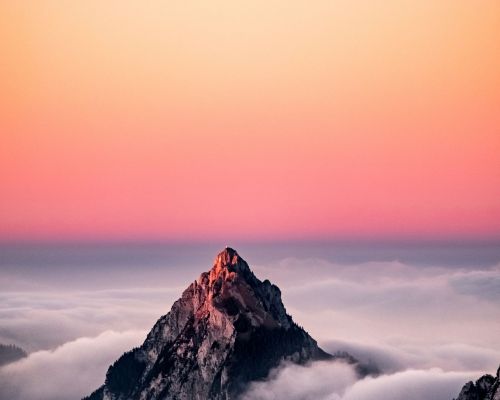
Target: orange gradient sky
(249,120)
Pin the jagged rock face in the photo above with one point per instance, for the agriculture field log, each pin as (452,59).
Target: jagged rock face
(486,388)
(226,330)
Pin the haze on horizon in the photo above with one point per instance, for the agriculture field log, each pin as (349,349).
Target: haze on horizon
(268,120)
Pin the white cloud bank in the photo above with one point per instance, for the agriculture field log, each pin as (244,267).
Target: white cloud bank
(432,316)
(337,381)
(429,384)
(42,320)
(71,371)
(317,381)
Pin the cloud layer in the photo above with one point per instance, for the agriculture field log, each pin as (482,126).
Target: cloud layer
(44,320)
(429,328)
(71,371)
(337,381)
(433,316)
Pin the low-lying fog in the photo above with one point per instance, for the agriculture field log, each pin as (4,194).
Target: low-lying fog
(427,315)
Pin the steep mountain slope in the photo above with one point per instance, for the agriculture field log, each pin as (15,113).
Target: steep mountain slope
(226,330)
(486,388)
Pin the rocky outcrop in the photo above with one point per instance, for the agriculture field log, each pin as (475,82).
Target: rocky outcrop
(10,353)
(486,388)
(227,329)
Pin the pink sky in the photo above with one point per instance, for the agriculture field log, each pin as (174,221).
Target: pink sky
(249,120)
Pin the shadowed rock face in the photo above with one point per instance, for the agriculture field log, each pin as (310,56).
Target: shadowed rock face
(226,330)
(486,388)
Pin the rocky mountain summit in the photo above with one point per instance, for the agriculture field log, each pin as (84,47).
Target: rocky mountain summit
(486,388)
(227,330)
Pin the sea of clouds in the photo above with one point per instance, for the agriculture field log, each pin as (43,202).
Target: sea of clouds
(429,328)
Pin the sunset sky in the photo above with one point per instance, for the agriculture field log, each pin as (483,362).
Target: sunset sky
(259,120)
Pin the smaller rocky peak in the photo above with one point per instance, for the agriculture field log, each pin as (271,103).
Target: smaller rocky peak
(486,388)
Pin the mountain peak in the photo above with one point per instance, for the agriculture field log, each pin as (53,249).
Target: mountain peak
(231,288)
(230,259)
(227,329)
(228,253)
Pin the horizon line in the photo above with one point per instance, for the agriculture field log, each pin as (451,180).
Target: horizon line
(345,240)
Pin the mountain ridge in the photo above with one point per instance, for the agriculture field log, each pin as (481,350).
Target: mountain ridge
(226,330)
